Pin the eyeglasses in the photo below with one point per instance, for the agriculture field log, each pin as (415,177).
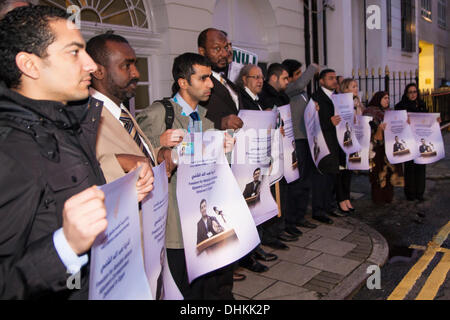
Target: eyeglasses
(257,77)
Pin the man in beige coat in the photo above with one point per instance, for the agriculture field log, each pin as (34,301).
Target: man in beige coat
(121,144)
(192,75)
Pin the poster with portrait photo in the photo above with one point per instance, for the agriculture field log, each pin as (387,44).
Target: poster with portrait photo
(117,265)
(316,140)
(344,107)
(218,228)
(360,160)
(400,143)
(154,217)
(291,172)
(428,135)
(252,164)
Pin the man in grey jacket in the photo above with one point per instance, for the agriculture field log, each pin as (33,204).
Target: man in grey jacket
(299,99)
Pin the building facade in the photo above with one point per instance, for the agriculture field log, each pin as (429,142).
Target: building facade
(434,43)
(331,33)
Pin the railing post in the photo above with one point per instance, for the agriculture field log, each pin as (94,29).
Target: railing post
(386,80)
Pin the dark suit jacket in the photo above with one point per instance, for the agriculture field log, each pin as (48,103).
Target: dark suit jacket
(330,163)
(270,97)
(248,103)
(398,147)
(202,233)
(248,191)
(220,104)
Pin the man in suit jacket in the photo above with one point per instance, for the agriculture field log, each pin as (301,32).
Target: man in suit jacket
(323,181)
(225,101)
(207,226)
(253,188)
(250,83)
(398,146)
(121,144)
(191,88)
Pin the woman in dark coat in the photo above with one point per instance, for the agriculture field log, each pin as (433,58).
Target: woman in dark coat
(414,173)
(383,175)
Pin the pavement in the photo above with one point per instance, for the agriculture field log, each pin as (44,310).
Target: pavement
(326,263)
(331,262)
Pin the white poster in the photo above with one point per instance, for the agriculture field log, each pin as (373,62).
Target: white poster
(241,57)
(252,162)
(428,134)
(117,265)
(316,140)
(400,142)
(291,172)
(218,228)
(344,107)
(360,160)
(154,217)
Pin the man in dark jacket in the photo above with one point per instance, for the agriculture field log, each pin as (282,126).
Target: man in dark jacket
(323,181)
(225,101)
(273,95)
(50,214)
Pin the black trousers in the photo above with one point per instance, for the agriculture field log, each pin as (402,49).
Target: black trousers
(299,191)
(322,193)
(216,285)
(343,185)
(415,178)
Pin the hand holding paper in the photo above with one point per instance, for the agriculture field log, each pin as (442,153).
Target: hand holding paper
(229,142)
(336,120)
(84,218)
(144,184)
(172,138)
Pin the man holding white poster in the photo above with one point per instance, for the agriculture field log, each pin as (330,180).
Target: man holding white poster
(192,76)
(117,266)
(400,141)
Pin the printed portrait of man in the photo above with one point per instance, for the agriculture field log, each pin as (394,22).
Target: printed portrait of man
(208,226)
(398,146)
(253,189)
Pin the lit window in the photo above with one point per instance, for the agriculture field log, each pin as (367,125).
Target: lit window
(426,10)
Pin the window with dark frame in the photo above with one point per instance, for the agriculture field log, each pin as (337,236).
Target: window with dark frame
(408,11)
(442,13)
(389,22)
(426,10)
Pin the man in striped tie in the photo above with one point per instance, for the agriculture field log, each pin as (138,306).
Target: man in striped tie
(121,144)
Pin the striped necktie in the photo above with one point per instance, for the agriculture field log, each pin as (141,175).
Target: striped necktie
(131,128)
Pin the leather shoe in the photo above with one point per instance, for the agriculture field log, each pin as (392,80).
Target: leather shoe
(324,220)
(283,236)
(276,244)
(306,224)
(338,214)
(253,265)
(239,276)
(260,254)
(293,231)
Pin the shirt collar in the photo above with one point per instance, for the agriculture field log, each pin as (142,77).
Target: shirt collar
(187,109)
(329,93)
(115,110)
(251,94)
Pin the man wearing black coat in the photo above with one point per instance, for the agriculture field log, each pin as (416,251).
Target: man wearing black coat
(273,95)
(225,101)
(323,181)
(50,214)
